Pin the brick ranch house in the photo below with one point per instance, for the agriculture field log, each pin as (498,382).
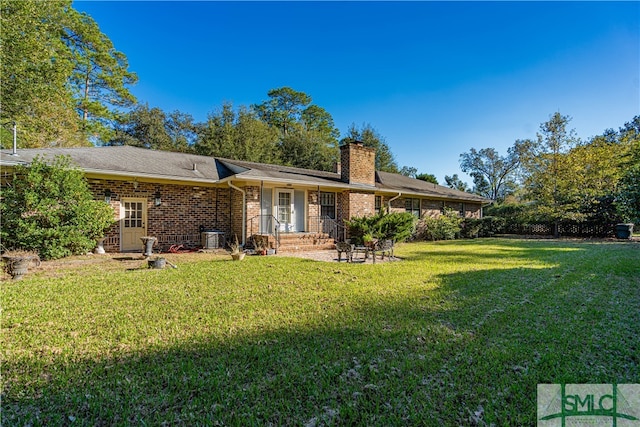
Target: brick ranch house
(190,199)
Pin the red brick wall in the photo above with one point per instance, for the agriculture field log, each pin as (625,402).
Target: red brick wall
(357,204)
(183,210)
(313,203)
(236,214)
(253,209)
(342,206)
(472,210)
(453,205)
(397,205)
(433,208)
(358,164)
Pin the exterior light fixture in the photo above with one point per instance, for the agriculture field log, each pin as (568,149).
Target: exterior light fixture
(107,196)
(157,199)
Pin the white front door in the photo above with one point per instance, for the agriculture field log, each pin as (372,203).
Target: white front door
(284,210)
(133,223)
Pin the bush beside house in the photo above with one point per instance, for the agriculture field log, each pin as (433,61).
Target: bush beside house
(48,208)
(445,227)
(396,226)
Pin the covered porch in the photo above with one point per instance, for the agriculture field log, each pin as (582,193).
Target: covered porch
(289,218)
(319,233)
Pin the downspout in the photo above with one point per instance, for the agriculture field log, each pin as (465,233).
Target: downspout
(319,207)
(244,211)
(392,199)
(14,151)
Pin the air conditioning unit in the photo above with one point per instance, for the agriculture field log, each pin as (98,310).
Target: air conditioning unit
(212,239)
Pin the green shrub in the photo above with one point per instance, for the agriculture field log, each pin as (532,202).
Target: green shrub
(628,197)
(396,226)
(507,218)
(491,225)
(48,208)
(470,228)
(446,227)
(357,228)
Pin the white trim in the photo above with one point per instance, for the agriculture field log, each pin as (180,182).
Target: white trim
(121,218)
(292,213)
(392,199)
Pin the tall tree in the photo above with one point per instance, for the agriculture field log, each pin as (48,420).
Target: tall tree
(629,137)
(35,72)
(428,177)
(238,135)
(152,128)
(315,118)
(257,141)
(490,171)
(100,76)
(456,183)
(58,68)
(216,137)
(181,128)
(409,171)
(313,144)
(480,184)
(284,108)
(628,192)
(371,138)
(628,195)
(549,173)
(307,133)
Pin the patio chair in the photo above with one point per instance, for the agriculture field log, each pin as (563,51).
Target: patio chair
(347,248)
(383,247)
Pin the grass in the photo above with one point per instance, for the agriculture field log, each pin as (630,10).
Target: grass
(458,333)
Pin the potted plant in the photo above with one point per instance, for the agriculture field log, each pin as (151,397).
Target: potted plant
(148,242)
(261,244)
(16,263)
(100,246)
(236,253)
(369,241)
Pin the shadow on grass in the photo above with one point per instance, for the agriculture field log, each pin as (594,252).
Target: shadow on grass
(470,350)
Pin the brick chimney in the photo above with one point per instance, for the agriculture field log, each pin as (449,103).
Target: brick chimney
(358,163)
(336,167)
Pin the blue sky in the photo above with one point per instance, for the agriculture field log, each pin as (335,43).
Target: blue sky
(435,79)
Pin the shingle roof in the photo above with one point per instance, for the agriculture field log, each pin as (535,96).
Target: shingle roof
(127,160)
(406,185)
(142,162)
(268,172)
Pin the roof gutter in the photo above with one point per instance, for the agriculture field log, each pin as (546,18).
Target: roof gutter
(104,174)
(392,199)
(280,181)
(244,211)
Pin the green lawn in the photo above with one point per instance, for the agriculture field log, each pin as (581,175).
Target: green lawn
(458,333)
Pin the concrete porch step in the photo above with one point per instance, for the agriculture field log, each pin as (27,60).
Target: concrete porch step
(303,236)
(306,248)
(296,242)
